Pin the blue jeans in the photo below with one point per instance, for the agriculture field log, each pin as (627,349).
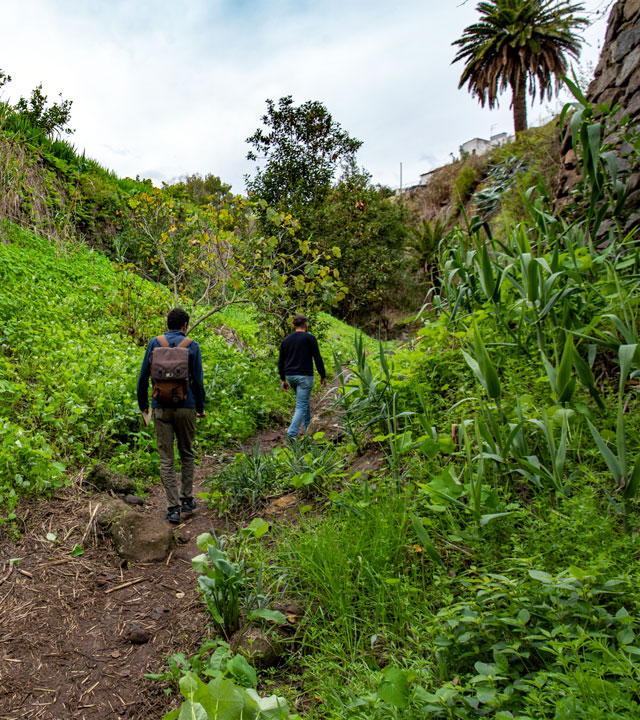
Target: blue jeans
(303,385)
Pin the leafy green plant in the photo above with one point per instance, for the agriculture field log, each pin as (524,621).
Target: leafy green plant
(465,183)
(604,191)
(514,634)
(452,488)
(313,463)
(483,368)
(225,588)
(549,468)
(249,477)
(364,397)
(230,693)
(424,245)
(561,378)
(214,659)
(222,699)
(499,178)
(626,476)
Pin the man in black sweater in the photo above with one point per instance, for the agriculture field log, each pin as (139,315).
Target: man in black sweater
(298,352)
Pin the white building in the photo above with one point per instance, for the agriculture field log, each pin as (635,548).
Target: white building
(425,177)
(479,146)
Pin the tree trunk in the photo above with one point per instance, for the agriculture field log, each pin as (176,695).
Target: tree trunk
(519,104)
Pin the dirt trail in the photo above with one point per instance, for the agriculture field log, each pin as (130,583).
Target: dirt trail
(77,634)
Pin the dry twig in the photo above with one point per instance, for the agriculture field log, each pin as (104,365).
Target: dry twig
(124,585)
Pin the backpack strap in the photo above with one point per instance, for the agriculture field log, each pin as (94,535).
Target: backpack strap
(186,342)
(163,341)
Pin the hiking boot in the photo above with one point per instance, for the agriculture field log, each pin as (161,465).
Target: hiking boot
(188,505)
(173,514)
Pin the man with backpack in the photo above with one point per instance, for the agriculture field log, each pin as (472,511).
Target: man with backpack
(298,353)
(174,364)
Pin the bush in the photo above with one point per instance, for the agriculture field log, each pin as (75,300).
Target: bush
(465,183)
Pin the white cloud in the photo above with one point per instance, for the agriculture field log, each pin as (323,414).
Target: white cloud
(161,89)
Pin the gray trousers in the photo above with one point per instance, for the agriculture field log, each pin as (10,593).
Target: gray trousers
(178,423)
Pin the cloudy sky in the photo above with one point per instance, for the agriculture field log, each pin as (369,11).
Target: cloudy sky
(164,88)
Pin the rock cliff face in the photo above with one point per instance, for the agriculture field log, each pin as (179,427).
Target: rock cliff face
(617,77)
(617,80)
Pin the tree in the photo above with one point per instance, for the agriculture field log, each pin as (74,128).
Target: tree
(519,43)
(4,78)
(210,262)
(207,190)
(303,149)
(366,232)
(52,120)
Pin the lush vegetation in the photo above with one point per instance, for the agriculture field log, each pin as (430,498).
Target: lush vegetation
(484,562)
(309,171)
(72,325)
(488,568)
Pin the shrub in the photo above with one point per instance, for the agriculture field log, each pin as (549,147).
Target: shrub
(465,183)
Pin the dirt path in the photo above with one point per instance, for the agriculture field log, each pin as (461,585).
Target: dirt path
(78,634)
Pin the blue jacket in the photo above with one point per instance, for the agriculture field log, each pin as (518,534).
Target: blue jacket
(196,394)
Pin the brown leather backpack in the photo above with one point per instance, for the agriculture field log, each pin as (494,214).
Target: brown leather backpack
(170,371)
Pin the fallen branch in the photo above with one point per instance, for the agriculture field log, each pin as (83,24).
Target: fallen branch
(86,532)
(124,585)
(2,579)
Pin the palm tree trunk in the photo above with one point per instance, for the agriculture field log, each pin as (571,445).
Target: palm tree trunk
(519,104)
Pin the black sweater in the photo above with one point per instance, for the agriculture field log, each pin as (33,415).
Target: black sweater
(298,351)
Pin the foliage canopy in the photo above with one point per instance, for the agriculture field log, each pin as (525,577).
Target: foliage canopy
(519,43)
(303,148)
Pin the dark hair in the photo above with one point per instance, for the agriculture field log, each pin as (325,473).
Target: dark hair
(300,320)
(177,319)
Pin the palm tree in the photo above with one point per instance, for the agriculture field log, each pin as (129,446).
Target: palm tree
(424,245)
(518,43)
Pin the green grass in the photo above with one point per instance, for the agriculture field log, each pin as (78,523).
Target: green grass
(72,333)
(374,601)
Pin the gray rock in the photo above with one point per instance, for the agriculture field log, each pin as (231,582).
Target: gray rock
(134,500)
(631,9)
(603,230)
(634,83)
(633,108)
(329,423)
(135,536)
(631,63)
(614,21)
(633,182)
(137,635)
(623,166)
(633,223)
(570,160)
(104,479)
(263,650)
(626,41)
(610,96)
(571,181)
(606,79)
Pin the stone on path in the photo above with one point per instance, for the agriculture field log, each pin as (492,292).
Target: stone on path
(104,479)
(136,537)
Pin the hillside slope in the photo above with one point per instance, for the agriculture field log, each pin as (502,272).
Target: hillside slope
(73,331)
